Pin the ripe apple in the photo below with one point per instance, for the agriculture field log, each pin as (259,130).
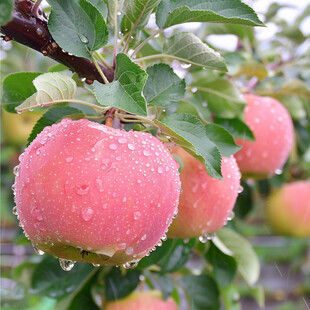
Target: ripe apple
(150,300)
(205,203)
(91,193)
(273,129)
(16,128)
(288,209)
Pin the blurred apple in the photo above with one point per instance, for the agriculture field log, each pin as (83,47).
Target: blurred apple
(16,128)
(151,300)
(288,210)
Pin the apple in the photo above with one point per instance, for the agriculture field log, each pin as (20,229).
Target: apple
(16,128)
(205,203)
(288,209)
(150,300)
(91,193)
(273,129)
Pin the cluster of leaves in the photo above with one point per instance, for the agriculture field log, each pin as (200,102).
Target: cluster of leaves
(202,113)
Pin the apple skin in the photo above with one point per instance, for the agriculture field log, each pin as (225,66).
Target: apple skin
(288,209)
(16,128)
(205,202)
(273,129)
(87,188)
(150,300)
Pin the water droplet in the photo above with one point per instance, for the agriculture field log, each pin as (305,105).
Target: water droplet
(164,237)
(129,251)
(231,216)
(160,169)
(194,89)
(16,170)
(37,250)
(36,213)
(82,189)
(185,66)
(132,264)
(139,181)
(83,38)
(96,265)
(160,243)
(186,240)
(87,214)
(99,185)
(131,146)
(69,159)
(278,171)
(146,153)
(119,13)
(137,215)
(122,140)
(66,264)
(206,237)
(113,146)
(143,237)
(240,189)
(14,210)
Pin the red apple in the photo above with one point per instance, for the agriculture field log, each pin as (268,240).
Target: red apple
(205,203)
(151,300)
(288,209)
(87,192)
(273,129)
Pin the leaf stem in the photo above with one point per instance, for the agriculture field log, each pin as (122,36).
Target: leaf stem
(128,118)
(138,48)
(35,8)
(103,60)
(99,69)
(109,117)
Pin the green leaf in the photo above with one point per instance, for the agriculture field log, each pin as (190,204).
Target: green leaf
(17,87)
(163,87)
(101,7)
(51,87)
(50,280)
(171,12)
(170,257)
(295,106)
(224,266)
(125,92)
(232,244)
(58,68)
(137,13)
(49,118)
(77,26)
(201,291)
(120,285)
(166,286)
(222,139)
(111,4)
(187,47)
(236,127)
(6,9)
(244,203)
(189,132)
(221,95)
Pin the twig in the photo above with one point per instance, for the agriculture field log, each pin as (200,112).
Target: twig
(109,117)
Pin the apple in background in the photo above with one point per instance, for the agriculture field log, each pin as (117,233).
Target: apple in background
(150,300)
(16,128)
(273,129)
(205,203)
(288,209)
(91,193)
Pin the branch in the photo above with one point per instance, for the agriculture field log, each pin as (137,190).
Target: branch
(32,31)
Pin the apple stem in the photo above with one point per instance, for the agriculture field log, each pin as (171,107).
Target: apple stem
(109,118)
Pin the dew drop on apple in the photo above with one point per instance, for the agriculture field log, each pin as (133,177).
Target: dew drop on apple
(14,210)
(16,170)
(160,243)
(66,264)
(278,171)
(131,265)
(129,251)
(131,146)
(240,189)
(69,159)
(137,215)
(231,216)
(113,146)
(87,214)
(160,169)
(37,250)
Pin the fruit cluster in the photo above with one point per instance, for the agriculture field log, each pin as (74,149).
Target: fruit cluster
(87,192)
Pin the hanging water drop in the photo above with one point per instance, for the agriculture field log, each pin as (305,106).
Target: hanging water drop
(131,265)
(278,171)
(16,170)
(240,189)
(14,210)
(37,250)
(66,264)
(231,216)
